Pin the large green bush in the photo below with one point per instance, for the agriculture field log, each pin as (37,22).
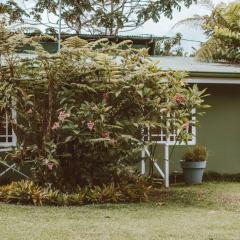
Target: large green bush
(81,112)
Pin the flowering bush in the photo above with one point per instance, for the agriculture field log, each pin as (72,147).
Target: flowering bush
(81,112)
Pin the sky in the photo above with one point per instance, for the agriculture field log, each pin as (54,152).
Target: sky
(164,26)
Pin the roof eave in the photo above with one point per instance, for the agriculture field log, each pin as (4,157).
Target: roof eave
(214,74)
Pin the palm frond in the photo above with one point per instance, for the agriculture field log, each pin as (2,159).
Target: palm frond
(209,4)
(192,22)
(223,29)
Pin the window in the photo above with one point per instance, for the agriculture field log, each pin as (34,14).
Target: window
(159,135)
(7,135)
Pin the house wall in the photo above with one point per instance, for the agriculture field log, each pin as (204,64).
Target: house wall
(219,131)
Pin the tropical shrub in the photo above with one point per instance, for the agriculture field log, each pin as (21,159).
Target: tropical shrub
(26,192)
(22,192)
(80,112)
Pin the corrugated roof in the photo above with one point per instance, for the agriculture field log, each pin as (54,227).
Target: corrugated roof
(197,68)
(97,36)
(194,67)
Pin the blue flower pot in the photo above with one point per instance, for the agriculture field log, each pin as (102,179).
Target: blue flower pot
(193,171)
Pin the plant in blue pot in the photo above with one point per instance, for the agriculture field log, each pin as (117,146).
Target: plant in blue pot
(193,164)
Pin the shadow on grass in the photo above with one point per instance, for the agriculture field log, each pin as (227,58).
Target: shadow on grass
(214,195)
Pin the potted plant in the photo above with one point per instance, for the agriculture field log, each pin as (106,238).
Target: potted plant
(193,164)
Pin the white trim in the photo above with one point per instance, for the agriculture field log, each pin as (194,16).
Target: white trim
(160,137)
(5,149)
(14,140)
(166,165)
(214,80)
(155,164)
(167,142)
(6,146)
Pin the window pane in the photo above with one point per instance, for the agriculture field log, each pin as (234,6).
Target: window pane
(2,139)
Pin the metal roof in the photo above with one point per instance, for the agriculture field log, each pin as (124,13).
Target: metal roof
(196,68)
(193,67)
(97,36)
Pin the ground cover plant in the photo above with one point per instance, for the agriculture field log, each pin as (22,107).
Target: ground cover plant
(135,189)
(80,112)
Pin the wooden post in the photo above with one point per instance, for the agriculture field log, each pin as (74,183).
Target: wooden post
(166,160)
(59,25)
(143,167)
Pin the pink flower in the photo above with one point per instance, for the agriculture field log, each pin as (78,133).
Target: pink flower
(30,111)
(62,115)
(50,166)
(105,134)
(180,100)
(185,126)
(113,142)
(90,125)
(105,96)
(55,126)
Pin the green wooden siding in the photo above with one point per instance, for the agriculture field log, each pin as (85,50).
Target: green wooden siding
(219,130)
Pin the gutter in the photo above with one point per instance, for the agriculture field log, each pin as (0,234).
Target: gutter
(214,74)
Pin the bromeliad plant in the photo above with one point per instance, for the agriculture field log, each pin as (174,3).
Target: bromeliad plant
(28,192)
(80,112)
(196,154)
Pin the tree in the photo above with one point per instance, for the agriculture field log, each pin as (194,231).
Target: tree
(222,27)
(223,30)
(81,112)
(107,16)
(170,46)
(11,12)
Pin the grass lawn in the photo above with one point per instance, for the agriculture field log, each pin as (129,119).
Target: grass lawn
(210,211)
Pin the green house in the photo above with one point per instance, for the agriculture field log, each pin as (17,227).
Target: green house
(219,128)
(140,41)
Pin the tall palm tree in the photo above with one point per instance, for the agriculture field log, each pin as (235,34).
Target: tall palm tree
(197,20)
(222,27)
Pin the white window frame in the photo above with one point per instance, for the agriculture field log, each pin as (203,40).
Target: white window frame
(5,146)
(162,139)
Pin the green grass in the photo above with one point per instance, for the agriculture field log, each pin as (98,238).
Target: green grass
(210,211)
